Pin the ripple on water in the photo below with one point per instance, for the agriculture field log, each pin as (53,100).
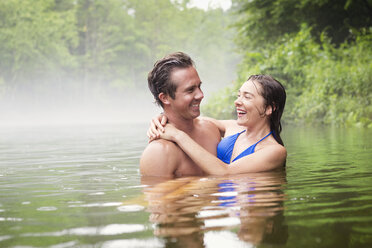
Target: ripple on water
(133,243)
(97,193)
(5,237)
(222,222)
(104,204)
(11,219)
(65,245)
(46,209)
(130,208)
(112,229)
(227,193)
(216,238)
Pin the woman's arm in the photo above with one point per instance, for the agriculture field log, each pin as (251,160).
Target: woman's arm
(226,127)
(267,158)
(222,125)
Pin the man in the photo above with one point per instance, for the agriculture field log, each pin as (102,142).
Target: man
(175,84)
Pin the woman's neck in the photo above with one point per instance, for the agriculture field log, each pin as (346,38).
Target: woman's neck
(257,131)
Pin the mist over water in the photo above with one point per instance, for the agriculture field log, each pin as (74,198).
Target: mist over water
(90,65)
(69,105)
(31,111)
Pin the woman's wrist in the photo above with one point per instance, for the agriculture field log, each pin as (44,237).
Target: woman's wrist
(179,136)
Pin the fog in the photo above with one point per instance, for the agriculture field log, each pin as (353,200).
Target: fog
(101,77)
(66,105)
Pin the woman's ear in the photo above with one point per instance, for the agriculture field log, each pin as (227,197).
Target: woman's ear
(269,110)
(163,98)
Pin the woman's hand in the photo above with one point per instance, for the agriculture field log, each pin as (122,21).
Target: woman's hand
(156,127)
(170,132)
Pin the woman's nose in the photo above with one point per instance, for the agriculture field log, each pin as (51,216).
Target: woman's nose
(237,102)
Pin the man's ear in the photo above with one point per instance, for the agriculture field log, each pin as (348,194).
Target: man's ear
(164,98)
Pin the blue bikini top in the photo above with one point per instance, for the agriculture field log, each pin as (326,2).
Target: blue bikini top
(226,146)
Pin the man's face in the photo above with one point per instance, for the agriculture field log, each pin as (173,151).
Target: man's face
(188,95)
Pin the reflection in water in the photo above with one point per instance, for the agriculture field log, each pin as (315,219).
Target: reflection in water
(187,211)
(88,178)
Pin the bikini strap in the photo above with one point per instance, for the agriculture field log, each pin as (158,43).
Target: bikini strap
(264,138)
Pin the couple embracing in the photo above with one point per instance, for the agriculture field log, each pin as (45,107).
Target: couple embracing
(185,144)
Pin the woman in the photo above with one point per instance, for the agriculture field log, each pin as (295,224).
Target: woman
(258,147)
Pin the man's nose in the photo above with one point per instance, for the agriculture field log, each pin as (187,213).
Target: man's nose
(199,94)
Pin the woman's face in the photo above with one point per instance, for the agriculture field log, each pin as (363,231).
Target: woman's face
(250,105)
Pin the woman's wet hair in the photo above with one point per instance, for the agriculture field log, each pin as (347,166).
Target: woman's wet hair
(275,96)
(159,78)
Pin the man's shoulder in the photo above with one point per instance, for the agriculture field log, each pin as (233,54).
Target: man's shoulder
(204,124)
(206,127)
(159,158)
(160,149)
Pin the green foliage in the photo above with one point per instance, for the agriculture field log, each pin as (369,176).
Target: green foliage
(221,105)
(263,22)
(324,83)
(102,48)
(34,40)
(320,50)
(106,35)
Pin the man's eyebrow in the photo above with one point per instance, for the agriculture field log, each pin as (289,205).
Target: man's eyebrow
(193,86)
(190,88)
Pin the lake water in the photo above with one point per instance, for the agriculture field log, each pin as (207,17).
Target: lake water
(79,186)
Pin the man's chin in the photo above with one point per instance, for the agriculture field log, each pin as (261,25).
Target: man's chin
(195,114)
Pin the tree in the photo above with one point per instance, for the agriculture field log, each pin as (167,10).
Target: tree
(35,40)
(263,22)
(106,38)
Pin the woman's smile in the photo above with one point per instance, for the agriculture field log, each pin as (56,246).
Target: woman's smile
(240,112)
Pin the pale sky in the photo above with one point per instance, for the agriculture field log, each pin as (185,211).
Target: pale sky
(203,4)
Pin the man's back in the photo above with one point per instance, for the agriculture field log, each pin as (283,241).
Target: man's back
(164,158)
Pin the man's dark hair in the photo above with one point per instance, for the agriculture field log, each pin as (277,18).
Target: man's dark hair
(159,78)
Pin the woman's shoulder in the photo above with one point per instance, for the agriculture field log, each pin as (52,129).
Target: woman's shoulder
(273,147)
(232,127)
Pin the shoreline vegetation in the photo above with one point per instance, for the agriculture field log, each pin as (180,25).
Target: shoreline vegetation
(62,54)
(323,58)
(325,84)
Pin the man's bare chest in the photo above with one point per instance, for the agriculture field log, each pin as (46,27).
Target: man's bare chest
(187,167)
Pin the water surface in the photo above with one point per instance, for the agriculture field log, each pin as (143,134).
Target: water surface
(79,186)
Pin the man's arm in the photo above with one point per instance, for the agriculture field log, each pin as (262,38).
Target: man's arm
(159,159)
